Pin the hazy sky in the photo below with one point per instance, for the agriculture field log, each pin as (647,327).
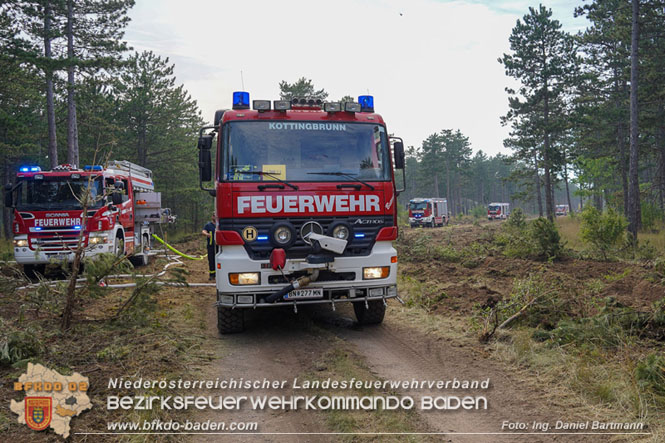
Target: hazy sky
(429,64)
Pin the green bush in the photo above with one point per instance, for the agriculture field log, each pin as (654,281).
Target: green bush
(546,238)
(517,219)
(479,212)
(603,232)
(650,215)
(17,345)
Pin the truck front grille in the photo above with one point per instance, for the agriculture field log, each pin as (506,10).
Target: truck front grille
(260,250)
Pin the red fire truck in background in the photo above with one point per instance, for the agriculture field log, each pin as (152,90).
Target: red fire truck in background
(428,212)
(498,211)
(306,206)
(122,210)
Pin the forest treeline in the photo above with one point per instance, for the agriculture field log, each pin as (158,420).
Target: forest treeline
(587,119)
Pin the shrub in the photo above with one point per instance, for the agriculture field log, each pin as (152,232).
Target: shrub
(479,212)
(650,215)
(17,345)
(546,238)
(517,219)
(603,232)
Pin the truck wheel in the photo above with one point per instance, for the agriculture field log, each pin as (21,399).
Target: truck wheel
(139,260)
(230,320)
(371,315)
(119,246)
(33,271)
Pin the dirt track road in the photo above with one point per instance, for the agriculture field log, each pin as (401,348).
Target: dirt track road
(281,345)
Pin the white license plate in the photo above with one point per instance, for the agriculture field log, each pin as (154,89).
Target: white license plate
(59,256)
(305,293)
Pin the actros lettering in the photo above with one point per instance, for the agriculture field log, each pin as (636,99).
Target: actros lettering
(262,204)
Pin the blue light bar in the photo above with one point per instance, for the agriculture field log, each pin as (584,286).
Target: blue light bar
(359,235)
(366,103)
(92,168)
(262,237)
(241,100)
(24,169)
(38,228)
(35,169)
(77,227)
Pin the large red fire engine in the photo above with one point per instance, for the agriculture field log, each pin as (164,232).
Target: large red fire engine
(428,212)
(305,204)
(120,216)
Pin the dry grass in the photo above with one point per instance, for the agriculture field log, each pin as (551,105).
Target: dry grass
(569,229)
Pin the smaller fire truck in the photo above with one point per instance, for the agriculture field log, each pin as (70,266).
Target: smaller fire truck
(561,210)
(429,212)
(498,211)
(122,211)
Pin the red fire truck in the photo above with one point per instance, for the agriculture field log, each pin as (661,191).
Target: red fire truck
(428,212)
(122,211)
(498,211)
(306,206)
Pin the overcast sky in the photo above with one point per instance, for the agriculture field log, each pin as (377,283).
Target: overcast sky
(430,64)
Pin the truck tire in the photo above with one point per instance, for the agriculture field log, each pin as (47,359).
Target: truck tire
(372,314)
(139,260)
(230,321)
(33,271)
(119,245)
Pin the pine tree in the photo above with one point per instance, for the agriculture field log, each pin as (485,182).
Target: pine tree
(301,88)
(543,60)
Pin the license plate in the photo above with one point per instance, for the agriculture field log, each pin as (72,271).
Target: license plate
(59,256)
(305,293)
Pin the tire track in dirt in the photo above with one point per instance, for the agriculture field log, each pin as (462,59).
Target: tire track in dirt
(277,345)
(395,352)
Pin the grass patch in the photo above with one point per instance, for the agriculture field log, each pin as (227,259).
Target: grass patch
(340,362)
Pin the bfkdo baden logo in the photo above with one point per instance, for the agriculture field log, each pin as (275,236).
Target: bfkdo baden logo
(51,399)
(38,412)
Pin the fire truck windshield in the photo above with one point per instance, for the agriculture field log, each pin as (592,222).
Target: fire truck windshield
(57,193)
(417,206)
(303,151)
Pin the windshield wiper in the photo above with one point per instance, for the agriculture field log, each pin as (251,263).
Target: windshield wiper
(262,173)
(343,174)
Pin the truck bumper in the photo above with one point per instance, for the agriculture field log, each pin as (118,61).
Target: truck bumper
(27,256)
(234,259)
(413,221)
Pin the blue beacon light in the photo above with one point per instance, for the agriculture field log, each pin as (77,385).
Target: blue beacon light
(366,103)
(359,235)
(241,100)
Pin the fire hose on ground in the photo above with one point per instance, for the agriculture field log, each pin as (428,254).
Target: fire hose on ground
(174,261)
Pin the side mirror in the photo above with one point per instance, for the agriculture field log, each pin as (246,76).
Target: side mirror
(116,198)
(205,158)
(118,185)
(9,200)
(399,155)
(218,116)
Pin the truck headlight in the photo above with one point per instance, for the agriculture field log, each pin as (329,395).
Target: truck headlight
(377,272)
(21,243)
(244,278)
(342,232)
(283,235)
(97,240)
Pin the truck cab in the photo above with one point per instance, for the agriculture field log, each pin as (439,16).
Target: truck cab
(51,216)
(305,201)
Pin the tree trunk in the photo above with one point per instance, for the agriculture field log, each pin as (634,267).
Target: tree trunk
(565,178)
(50,106)
(536,184)
(621,141)
(451,208)
(436,184)
(549,205)
(72,131)
(633,186)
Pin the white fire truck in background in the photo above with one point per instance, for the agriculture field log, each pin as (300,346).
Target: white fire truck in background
(561,210)
(429,212)
(498,211)
(120,218)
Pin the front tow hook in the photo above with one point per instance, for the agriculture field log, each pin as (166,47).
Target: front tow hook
(295,284)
